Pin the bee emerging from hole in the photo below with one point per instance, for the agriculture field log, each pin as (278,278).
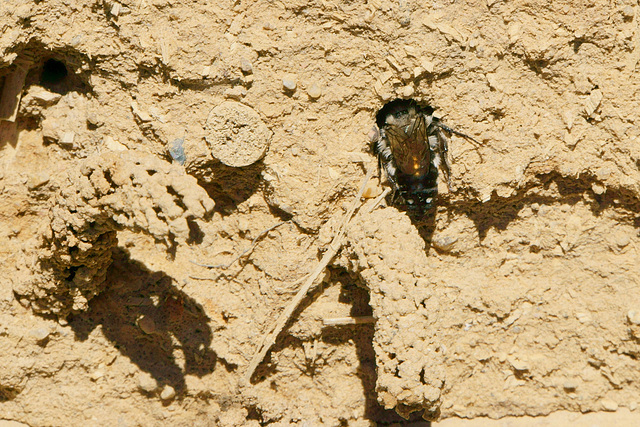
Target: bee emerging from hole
(411,146)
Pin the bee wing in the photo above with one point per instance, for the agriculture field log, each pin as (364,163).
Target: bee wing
(410,146)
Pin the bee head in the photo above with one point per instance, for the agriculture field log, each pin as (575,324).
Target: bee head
(400,112)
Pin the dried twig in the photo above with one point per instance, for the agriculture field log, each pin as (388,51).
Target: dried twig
(250,249)
(340,321)
(378,200)
(336,244)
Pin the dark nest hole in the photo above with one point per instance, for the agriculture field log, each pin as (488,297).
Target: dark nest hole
(59,71)
(53,72)
(8,393)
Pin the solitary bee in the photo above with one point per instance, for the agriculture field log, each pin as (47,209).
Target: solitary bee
(411,146)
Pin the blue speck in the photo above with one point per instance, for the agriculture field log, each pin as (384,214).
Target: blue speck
(176,150)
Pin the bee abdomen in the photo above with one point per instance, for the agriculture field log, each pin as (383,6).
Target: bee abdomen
(418,192)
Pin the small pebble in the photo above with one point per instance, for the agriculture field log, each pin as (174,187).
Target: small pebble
(37,180)
(428,66)
(40,334)
(147,383)
(371,190)
(67,138)
(237,93)
(43,96)
(114,145)
(94,120)
(609,405)
(314,91)
(147,325)
(97,374)
(167,393)
(407,91)
(627,12)
(598,188)
(289,84)
(633,406)
(115,9)
(245,66)
(75,41)
(518,364)
(570,385)
(444,243)
(634,317)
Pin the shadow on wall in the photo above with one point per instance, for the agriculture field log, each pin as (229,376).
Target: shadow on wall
(361,335)
(499,212)
(229,186)
(139,312)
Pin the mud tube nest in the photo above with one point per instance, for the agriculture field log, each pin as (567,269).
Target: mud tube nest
(386,251)
(67,264)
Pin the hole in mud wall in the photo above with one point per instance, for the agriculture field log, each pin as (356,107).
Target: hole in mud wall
(56,74)
(60,70)
(53,73)
(22,100)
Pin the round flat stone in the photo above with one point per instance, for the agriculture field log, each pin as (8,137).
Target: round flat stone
(237,136)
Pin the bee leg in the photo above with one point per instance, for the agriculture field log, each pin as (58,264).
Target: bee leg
(442,151)
(455,132)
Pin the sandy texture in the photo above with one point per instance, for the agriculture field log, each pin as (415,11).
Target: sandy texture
(95,198)
(145,147)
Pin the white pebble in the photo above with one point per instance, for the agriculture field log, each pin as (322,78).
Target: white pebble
(314,91)
(167,393)
(40,334)
(598,188)
(407,91)
(289,84)
(147,383)
(97,374)
(245,66)
(609,405)
(67,138)
(634,317)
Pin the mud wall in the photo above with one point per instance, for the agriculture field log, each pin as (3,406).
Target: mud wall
(518,295)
